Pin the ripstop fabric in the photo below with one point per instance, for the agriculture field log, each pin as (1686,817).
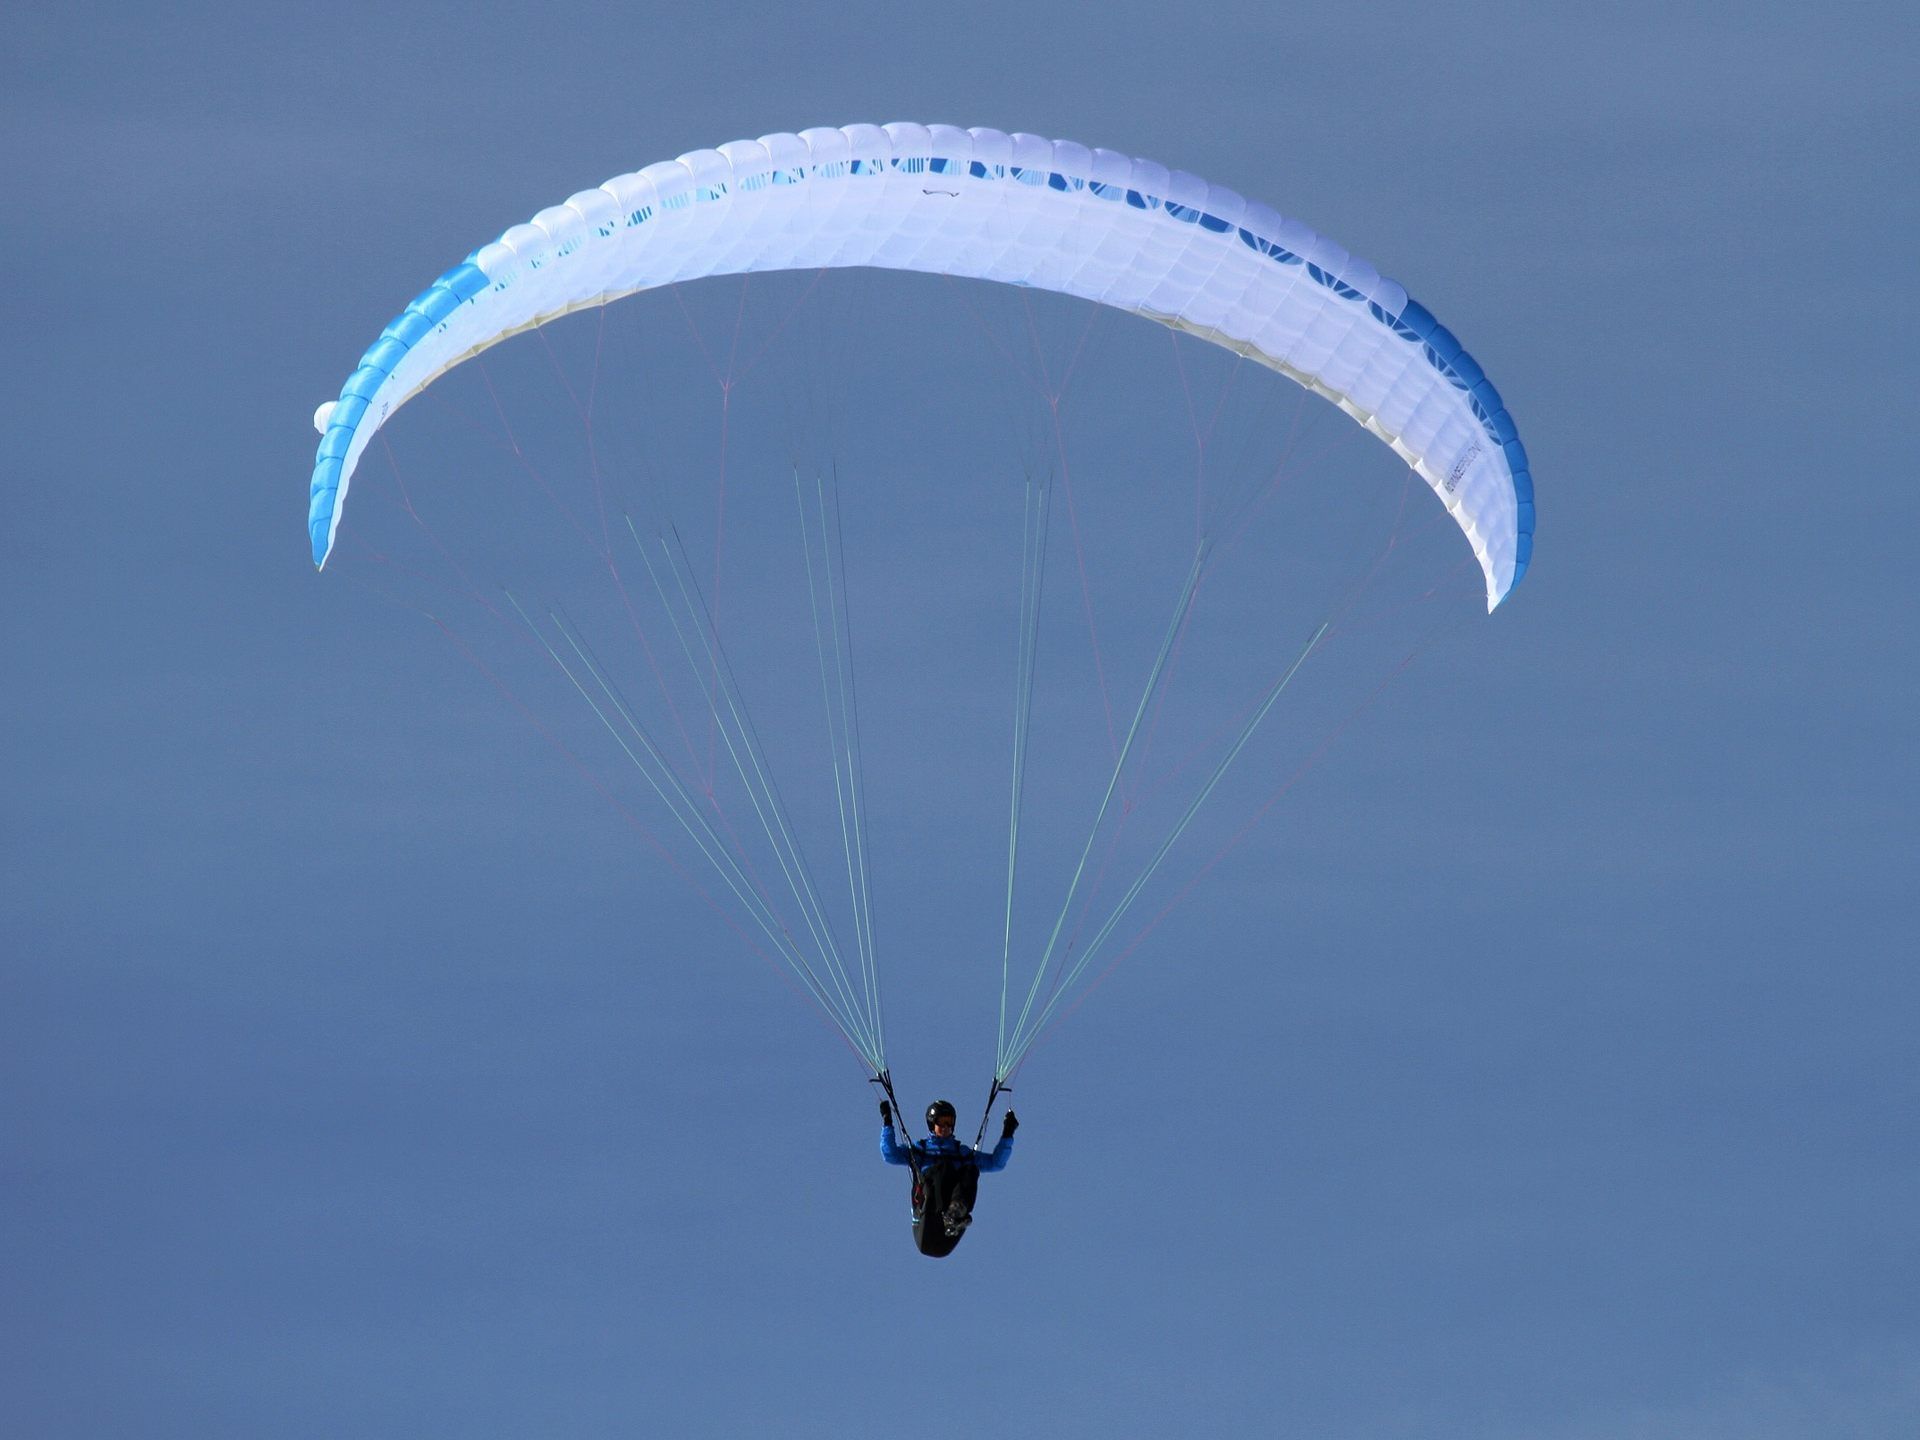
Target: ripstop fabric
(1015,208)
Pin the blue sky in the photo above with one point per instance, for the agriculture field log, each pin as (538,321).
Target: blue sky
(1564,1089)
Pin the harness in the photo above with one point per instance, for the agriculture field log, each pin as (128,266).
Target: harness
(885,1081)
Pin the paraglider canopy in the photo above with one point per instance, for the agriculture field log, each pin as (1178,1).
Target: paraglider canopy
(1048,214)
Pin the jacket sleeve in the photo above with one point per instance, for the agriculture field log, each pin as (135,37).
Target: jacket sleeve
(890,1151)
(1002,1153)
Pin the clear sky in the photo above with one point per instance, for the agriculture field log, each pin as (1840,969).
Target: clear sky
(1544,1068)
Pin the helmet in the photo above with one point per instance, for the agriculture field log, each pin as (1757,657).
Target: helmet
(941,1109)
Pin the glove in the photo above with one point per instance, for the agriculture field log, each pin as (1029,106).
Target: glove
(886,1113)
(1010,1124)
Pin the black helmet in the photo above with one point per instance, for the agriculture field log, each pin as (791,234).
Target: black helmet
(941,1109)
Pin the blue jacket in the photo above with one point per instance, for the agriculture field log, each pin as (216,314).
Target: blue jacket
(934,1149)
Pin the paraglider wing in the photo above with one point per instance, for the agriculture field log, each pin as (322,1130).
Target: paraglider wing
(978,203)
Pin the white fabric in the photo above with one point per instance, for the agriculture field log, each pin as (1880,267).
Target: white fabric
(794,202)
